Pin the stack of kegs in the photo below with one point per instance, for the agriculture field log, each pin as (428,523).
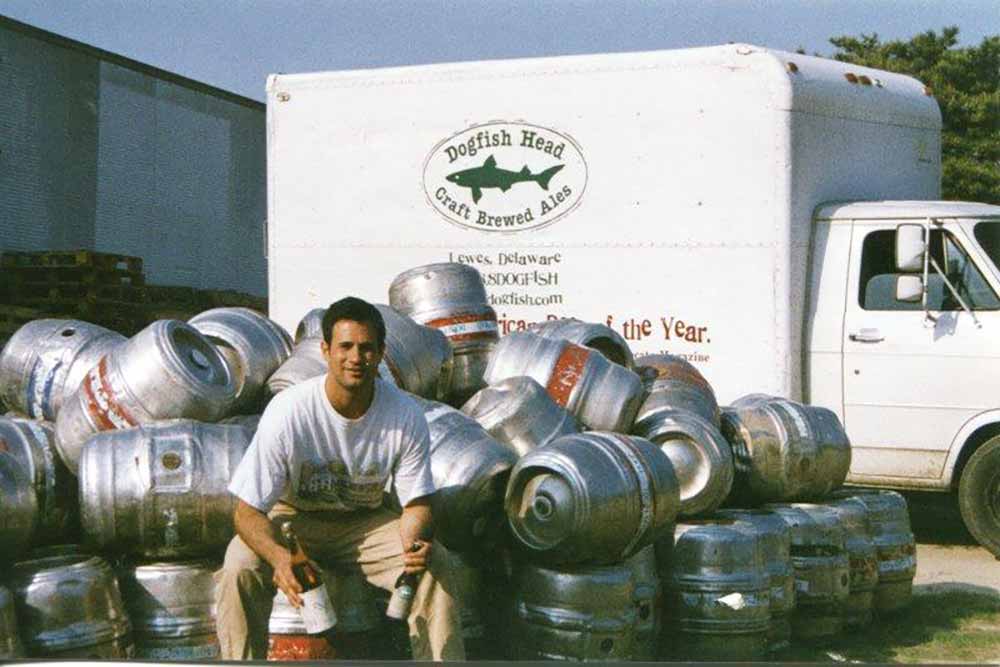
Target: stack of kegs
(580,490)
(116,445)
(584,511)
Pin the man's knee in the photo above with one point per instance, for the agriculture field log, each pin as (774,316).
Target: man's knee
(241,557)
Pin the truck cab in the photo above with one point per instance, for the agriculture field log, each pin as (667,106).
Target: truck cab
(903,343)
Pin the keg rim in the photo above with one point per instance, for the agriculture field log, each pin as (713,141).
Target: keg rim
(277,337)
(43,568)
(177,365)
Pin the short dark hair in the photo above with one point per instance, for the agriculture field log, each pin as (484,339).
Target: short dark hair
(357,310)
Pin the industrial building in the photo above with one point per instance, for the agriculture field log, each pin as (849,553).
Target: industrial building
(100,152)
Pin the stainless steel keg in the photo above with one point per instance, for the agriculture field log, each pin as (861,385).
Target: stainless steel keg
(895,546)
(159,491)
(580,614)
(19,508)
(863,557)
(10,641)
(717,592)
(310,326)
(700,455)
(172,608)
(168,370)
(602,395)
(32,443)
(248,422)
(467,578)
(305,363)
(418,359)
(775,538)
(596,336)
(451,298)
(253,346)
(591,498)
(69,606)
(648,597)
(822,569)
(674,383)
(784,450)
(470,470)
(45,360)
(519,413)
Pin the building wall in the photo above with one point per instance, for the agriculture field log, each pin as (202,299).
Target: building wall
(101,153)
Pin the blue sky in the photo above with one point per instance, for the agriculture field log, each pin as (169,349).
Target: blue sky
(235,44)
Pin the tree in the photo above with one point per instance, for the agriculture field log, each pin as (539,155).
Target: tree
(966,83)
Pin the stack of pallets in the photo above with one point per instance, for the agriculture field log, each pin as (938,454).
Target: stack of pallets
(102,288)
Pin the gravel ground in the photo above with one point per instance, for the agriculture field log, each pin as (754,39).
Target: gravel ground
(947,556)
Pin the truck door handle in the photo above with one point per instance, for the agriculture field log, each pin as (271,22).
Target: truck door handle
(867,336)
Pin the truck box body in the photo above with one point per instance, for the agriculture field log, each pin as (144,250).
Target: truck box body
(681,214)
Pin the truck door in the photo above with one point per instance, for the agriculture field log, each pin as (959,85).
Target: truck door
(911,382)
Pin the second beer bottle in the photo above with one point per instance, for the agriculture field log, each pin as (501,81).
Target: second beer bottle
(317,610)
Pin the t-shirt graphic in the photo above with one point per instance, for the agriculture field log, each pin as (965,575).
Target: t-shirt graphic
(333,483)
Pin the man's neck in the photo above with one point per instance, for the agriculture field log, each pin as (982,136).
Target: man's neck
(349,404)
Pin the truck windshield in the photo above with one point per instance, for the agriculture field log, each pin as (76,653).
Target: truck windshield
(988,237)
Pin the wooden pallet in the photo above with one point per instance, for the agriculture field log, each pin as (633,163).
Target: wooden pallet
(58,295)
(72,258)
(232,298)
(13,318)
(168,311)
(83,275)
(175,295)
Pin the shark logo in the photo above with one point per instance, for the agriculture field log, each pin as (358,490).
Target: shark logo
(490,176)
(465,184)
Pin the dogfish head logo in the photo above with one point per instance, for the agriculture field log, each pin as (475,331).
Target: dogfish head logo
(505,177)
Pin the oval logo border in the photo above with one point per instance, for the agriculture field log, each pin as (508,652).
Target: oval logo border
(548,223)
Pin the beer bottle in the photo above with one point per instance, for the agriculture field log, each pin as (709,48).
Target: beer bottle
(317,610)
(402,595)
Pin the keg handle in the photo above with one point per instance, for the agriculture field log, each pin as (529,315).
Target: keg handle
(171,535)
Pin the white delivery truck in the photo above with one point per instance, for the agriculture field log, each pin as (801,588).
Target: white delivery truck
(766,215)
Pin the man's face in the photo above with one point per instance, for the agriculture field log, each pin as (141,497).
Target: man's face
(352,355)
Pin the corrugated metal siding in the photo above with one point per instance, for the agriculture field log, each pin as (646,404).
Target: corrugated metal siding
(95,154)
(48,136)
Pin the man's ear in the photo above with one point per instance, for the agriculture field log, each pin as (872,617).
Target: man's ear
(325,349)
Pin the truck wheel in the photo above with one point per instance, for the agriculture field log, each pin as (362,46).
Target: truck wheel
(979,495)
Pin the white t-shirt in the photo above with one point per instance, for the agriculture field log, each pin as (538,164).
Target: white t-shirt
(310,456)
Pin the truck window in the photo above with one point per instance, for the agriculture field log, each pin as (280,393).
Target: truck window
(878,275)
(988,237)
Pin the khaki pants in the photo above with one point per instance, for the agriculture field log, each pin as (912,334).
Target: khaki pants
(366,540)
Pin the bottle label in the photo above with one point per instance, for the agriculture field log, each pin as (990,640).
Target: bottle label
(317,610)
(400,602)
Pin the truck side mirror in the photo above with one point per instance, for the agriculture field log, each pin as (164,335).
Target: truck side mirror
(910,248)
(909,288)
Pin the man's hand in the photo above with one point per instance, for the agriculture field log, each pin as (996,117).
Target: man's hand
(416,558)
(416,527)
(285,579)
(254,527)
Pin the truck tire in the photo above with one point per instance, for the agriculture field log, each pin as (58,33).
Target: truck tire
(979,495)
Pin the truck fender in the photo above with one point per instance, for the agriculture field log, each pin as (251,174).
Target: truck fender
(961,439)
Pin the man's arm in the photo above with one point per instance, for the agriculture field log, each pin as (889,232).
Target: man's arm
(416,525)
(255,529)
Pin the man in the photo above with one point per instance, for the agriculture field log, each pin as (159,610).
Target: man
(321,457)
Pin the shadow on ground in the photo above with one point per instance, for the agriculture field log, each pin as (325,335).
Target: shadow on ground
(935,519)
(932,628)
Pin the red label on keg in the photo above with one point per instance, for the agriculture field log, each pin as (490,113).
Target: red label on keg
(566,373)
(473,326)
(100,400)
(299,647)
